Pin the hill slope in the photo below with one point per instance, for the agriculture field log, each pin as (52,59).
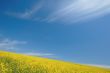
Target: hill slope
(16,63)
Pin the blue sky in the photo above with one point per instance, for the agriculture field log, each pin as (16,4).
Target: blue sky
(74,30)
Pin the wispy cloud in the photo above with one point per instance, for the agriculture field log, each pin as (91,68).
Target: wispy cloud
(47,55)
(75,10)
(79,10)
(28,13)
(38,54)
(103,66)
(7,44)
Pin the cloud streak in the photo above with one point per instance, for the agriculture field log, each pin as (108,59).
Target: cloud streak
(7,44)
(103,66)
(38,54)
(74,11)
(27,14)
(79,10)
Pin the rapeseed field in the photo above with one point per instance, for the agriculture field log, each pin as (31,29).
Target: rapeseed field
(17,63)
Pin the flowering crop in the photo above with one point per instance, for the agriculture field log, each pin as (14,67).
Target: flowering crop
(16,63)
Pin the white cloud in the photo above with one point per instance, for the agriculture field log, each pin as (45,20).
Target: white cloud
(102,66)
(41,54)
(29,13)
(7,44)
(73,11)
(38,54)
(81,10)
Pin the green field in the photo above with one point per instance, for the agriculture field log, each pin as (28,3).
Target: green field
(16,63)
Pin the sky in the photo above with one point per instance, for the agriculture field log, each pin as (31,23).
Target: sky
(69,30)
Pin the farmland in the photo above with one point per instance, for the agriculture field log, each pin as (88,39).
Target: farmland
(17,63)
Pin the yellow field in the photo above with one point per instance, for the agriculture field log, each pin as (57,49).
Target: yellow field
(16,63)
